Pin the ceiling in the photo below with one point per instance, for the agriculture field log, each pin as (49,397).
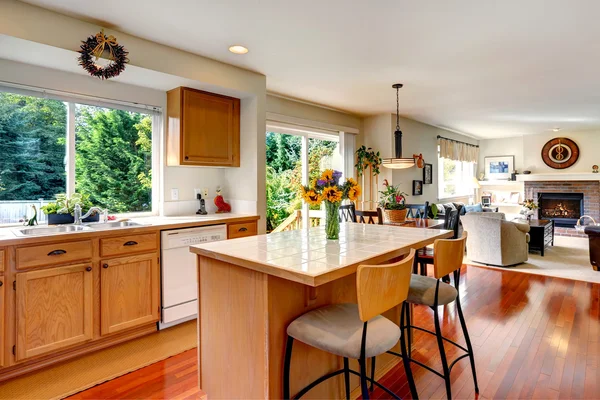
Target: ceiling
(485,68)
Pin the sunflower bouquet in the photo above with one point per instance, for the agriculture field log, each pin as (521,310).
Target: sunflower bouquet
(327,188)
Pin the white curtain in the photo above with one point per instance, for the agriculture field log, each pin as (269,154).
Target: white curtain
(458,151)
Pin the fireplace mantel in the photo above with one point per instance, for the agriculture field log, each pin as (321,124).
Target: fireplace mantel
(559,176)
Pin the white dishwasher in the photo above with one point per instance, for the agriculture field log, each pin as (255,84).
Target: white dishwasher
(179,281)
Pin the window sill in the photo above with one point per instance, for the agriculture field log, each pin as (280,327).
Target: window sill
(450,199)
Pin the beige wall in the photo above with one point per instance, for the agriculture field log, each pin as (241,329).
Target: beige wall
(42,26)
(296,109)
(417,138)
(527,150)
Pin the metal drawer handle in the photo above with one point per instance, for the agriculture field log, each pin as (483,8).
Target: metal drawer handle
(105,266)
(242,229)
(57,252)
(1,283)
(130,243)
(88,269)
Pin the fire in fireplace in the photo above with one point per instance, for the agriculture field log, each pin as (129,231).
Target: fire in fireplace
(564,208)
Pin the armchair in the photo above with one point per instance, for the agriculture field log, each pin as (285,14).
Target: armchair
(495,241)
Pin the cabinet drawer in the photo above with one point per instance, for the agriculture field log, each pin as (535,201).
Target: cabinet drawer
(128,244)
(242,229)
(1,261)
(52,254)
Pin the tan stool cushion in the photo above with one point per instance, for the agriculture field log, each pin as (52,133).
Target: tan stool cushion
(337,329)
(422,291)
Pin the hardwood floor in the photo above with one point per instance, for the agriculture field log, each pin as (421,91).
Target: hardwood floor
(535,337)
(173,378)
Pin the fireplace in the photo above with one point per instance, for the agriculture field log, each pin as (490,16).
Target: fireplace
(564,208)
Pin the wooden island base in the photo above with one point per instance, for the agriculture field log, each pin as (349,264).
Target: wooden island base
(243,316)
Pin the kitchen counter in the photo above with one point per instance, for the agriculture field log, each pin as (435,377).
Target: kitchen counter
(307,257)
(250,289)
(8,236)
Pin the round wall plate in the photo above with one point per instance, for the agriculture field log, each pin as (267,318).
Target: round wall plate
(560,153)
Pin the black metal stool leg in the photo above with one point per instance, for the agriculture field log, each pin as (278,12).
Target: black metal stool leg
(347,377)
(405,357)
(468,340)
(363,379)
(406,309)
(286,367)
(440,341)
(372,373)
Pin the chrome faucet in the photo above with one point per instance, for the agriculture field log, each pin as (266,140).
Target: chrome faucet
(78,217)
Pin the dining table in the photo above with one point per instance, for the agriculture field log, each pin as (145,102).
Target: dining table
(419,223)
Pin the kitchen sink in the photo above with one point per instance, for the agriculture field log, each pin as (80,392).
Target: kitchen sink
(51,230)
(113,225)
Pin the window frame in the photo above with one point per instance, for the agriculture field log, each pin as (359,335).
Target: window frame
(71,100)
(306,134)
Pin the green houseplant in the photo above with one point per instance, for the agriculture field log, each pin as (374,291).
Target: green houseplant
(61,211)
(392,201)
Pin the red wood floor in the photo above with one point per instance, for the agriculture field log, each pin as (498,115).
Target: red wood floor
(535,337)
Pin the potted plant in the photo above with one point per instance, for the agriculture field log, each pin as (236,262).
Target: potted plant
(328,189)
(61,211)
(392,201)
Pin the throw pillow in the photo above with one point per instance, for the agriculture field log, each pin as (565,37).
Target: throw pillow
(473,208)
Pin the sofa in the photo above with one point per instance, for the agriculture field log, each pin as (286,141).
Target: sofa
(495,241)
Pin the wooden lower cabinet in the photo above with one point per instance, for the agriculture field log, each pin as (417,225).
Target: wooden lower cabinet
(129,292)
(2,313)
(54,309)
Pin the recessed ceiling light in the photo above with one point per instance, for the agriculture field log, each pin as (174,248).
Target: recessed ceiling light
(555,129)
(237,49)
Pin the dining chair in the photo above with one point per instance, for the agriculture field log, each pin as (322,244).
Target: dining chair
(425,255)
(368,217)
(432,292)
(357,331)
(347,213)
(418,210)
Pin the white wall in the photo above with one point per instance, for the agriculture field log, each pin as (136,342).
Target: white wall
(512,146)
(417,138)
(32,23)
(528,149)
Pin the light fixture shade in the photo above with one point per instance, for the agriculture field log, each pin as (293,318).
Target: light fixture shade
(398,163)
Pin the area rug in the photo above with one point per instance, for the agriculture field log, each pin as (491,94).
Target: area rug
(569,258)
(84,372)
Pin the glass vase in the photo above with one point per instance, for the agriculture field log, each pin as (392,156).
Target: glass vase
(332,220)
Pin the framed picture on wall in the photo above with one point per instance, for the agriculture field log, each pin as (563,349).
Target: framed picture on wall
(499,167)
(427,174)
(417,188)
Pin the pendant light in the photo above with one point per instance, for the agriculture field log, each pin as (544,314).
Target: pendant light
(398,162)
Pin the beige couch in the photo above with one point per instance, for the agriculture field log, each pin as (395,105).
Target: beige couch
(495,241)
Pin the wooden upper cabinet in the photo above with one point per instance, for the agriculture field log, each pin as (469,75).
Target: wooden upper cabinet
(203,129)
(129,292)
(54,309)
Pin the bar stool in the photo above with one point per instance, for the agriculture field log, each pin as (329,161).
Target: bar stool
(425,290)
(341,329)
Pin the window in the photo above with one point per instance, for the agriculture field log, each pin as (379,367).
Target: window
(454,178)
(285,172)
(50,146)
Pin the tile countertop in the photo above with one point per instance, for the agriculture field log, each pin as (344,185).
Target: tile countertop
(9,237)
(306,256)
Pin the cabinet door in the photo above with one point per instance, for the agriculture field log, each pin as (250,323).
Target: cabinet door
(54,309)
(2,313)
(211,129)
(129,292)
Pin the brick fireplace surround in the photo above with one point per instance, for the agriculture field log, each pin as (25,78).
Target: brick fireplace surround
(591,198)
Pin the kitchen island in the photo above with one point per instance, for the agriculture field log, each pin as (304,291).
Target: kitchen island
(250,289)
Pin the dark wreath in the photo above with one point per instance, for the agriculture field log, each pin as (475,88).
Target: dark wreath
(94,47)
